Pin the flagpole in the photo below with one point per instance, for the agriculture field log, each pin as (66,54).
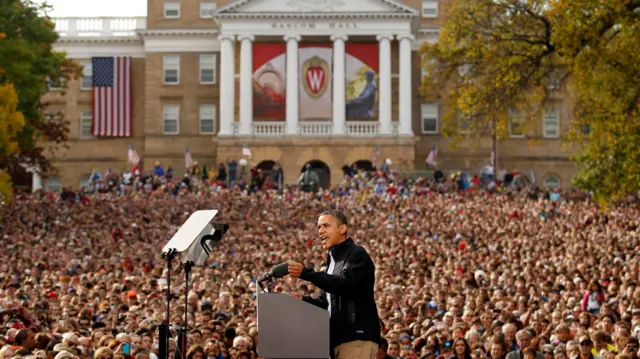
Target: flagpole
(494,148)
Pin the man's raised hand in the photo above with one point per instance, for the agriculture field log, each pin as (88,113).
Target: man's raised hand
(295,269)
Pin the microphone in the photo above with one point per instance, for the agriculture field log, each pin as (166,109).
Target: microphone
(278,271)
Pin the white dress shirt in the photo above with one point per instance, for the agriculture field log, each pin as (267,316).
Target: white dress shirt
(332,264)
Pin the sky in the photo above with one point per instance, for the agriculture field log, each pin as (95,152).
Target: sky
(92,8)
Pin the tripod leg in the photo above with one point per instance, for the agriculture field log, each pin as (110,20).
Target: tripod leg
(164,332)
(182,339)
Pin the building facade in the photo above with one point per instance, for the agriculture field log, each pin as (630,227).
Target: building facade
(296,81)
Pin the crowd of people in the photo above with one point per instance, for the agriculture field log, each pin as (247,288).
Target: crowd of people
(512,272)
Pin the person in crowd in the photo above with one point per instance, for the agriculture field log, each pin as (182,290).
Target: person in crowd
(461,349)
(593,298)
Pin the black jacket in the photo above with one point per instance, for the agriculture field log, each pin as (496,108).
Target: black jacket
(354,312)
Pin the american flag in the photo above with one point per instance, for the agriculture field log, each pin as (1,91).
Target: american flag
(431,158)
(188,161)
(112,96)
(134,159)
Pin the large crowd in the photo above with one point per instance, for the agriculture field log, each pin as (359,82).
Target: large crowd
(513,272)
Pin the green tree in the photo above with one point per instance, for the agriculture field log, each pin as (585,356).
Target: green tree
(29,62)
(600,49)
(494,57)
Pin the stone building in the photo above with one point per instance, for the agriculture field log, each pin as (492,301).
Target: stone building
(296,81)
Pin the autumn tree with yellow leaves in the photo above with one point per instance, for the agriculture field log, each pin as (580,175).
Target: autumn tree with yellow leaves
(29,62)
(11,123)
(494,57)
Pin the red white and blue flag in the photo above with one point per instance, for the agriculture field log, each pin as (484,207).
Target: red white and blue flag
(134,159)
(431,158)
(188,160)
(112,96)
(246,151)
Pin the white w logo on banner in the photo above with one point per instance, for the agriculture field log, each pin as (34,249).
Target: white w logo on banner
(315,80)
(315,77)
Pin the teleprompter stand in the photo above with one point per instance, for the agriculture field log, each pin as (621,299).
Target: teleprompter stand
(193,242)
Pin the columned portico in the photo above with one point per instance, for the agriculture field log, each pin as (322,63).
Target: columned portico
(317,82)
(348,106)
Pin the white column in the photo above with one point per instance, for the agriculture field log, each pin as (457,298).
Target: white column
(339,106)
(293,82)
(384,75)
(405,90)
(227,85)
(246,84)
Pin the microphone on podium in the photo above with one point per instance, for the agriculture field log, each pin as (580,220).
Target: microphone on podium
(278,271)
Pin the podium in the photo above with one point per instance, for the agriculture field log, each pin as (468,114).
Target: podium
(290,328)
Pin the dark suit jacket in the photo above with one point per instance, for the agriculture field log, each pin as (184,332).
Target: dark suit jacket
(354,315)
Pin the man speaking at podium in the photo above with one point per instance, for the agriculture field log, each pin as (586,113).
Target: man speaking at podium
(346,290)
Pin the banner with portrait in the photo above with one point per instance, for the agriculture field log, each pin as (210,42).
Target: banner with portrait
(361,81)
(269,82)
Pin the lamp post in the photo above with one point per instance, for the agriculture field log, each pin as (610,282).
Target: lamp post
(243,167)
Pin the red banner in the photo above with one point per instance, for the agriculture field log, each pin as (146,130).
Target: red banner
(269,82)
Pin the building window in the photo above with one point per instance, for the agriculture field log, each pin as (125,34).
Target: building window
(429,8)
(171,70)
(429,118)
(207,69)
(53,116)
(206,9)
(86,117)
(423,66)
(464,123)
(87,76)
(554,79)
(171,119)
(551,124)
(172,9)
(54,184)
(465,70)
(207,119)
(515,124)
(551,181)
(55,84)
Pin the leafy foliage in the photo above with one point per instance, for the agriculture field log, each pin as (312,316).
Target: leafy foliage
(604,61)
(28,61)
(500,57)
(11,123)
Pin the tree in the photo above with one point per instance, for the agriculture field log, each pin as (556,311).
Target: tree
(28,61)
(500,58)
(11,123)
(604,61)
